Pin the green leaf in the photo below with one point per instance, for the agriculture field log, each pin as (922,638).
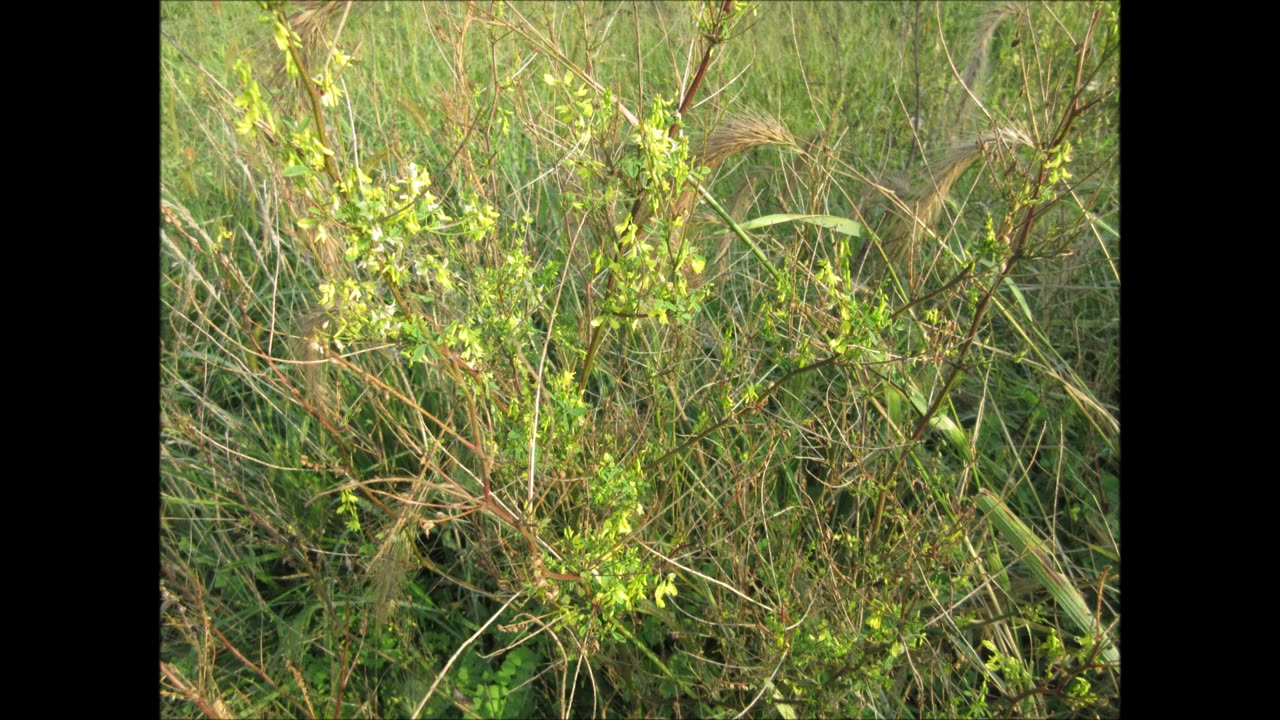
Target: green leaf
(1017,296)
(1099,222)
(1038,556)
(295,171)
(955,435)
(831,222)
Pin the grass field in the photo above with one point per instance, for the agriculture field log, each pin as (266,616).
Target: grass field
(640,359)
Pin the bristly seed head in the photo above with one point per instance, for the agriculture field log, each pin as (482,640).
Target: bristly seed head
(740,133)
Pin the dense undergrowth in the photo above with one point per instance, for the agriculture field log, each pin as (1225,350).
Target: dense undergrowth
(663,360)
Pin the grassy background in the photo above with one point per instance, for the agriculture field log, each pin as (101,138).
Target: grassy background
(791,469)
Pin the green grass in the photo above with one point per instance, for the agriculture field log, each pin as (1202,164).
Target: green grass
(496,411)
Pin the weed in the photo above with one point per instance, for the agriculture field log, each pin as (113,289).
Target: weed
(709,359)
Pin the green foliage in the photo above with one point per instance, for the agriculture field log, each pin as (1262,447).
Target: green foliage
(510,369)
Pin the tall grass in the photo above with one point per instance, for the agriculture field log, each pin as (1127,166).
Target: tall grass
(640,359)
